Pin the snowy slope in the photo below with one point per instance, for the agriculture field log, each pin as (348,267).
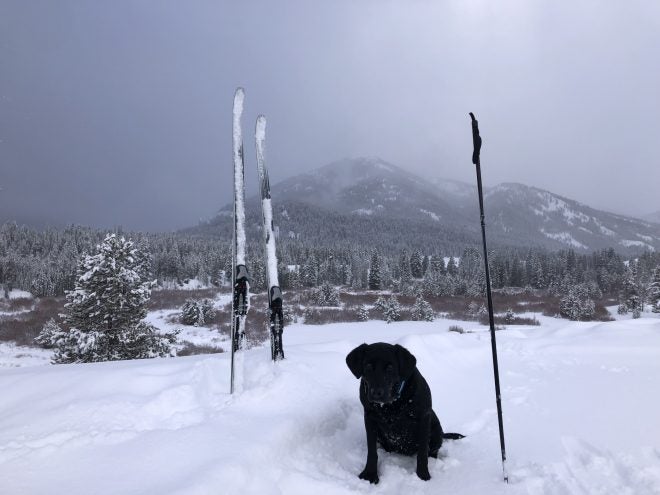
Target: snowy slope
(580,403)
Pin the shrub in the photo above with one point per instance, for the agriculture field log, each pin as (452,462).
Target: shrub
(456,328)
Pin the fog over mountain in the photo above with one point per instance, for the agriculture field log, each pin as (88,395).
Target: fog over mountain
(119,113)
(370,202)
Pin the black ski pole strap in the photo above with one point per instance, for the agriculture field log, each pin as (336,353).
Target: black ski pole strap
(476,139)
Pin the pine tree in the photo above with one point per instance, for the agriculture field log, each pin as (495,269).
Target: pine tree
(629,297)
(422,310)
(416,263)
(362,313)
(452,269)
(197,313)
(374,272)
(404,267)
(310,272)
(577,305)
(653,292)
(105,310)
(381,303)
(392,310)
(326,295)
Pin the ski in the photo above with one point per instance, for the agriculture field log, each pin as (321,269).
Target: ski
(274,292)
(239,279)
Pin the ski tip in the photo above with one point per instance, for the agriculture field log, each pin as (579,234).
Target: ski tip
(239,95)
(261,125)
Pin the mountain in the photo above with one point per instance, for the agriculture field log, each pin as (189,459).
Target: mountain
(368,202)
(653,217)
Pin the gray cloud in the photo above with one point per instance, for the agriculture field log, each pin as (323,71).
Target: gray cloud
(120,112)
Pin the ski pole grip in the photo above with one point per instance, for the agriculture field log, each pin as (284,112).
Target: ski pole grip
(476,139)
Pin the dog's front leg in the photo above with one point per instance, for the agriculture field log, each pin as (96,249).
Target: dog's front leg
(423,436)
(370,472)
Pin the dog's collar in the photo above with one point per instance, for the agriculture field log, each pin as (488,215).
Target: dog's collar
(398,394)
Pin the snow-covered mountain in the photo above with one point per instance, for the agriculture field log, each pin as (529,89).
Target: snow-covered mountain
(367,201)
(367,187)
(529,214)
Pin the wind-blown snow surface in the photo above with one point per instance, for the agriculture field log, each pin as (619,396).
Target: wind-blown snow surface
(580,403)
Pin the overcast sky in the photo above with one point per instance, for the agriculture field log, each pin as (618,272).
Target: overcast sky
(119,112)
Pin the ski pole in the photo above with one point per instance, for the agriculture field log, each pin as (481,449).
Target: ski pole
(476,140)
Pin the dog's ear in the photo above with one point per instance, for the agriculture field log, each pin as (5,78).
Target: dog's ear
(407,361)
(355,359)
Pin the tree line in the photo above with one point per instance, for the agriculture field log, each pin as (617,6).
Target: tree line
(44,263)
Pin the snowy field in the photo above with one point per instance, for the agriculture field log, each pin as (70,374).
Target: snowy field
(580,402)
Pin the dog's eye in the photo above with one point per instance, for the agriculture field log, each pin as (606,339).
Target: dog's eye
(390,368)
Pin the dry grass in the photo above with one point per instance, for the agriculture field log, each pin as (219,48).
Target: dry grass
(24,327)
(190,349)
(517,320)
(171,299)
(18,304)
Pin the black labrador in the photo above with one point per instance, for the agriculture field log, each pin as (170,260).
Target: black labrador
(397,406)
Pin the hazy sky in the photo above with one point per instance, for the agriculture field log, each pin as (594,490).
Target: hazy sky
(119,112)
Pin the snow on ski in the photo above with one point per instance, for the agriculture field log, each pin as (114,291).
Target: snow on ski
(274,291)
(240,283)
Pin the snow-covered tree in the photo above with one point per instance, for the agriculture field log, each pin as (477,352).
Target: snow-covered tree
(105,310)
(509,316)
(452,269)
(392,310)
(363,313)
(416,264)
(375,281)
(576,305)
(381,303)
(422,310)
(653,291)
(197,312)
(326,295)
(630,299)
(50,334)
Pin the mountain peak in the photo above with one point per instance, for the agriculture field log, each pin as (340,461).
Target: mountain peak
(405,209)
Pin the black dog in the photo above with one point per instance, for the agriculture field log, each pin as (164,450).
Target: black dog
(397,406)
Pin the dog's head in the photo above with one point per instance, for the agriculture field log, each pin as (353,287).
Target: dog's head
(383,369)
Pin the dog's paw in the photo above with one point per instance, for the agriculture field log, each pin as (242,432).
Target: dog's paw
(370,476)
(423,473)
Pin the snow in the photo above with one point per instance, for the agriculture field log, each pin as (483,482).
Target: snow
(190,284)
(363,211)
(554,204)
(629,243)
(434,216)
(14,356)
(564,237)
(20,294)
(579,399)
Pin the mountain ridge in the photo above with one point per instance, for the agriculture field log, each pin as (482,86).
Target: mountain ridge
(351,190)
